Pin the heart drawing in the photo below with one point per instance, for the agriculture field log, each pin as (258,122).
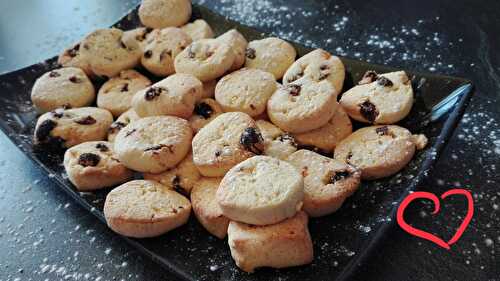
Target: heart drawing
(427,195)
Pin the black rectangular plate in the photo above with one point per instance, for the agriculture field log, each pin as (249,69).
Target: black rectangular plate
(341,241)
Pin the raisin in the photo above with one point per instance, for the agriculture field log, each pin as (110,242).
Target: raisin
(124,88)
(130,132)
(294,89)
(218,153)
(252,107)
(203,109)
(348,157)
(164,53)
(89,159)
(252,140)
(87,120)
(58,112)
(324,72)
(383,81)
(368,110)
(148,54)
(191,54)
(338,176)
(66,106)
(53,74)
(159,146)
(250,53)
(152,93)
(116,126)
(368,77)
(296,76)
(74,51)
(384,130)
(74,79)
(42,133)
(102,147)
(286,137)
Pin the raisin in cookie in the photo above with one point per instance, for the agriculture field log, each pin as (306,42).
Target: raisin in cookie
(327,182)
(153,144)
(181,178)
(142,208)
(207,59)
(94,165)
(120,123)
(277,143)
(198,29)
(271,54)
(246,90)
(280,245)
(116,94)
(164,13)
(70,127)
(162,46)
(204,112)
(379,98)
(206,209)
(139,35)
(68,86)
(71,57)
(261,190)
(238,45)
(175,95)
(108,54)
(317,65)
(378,151)
(329,135)
(302,107)
(224,142)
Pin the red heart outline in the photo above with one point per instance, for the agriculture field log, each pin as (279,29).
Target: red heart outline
(426,235)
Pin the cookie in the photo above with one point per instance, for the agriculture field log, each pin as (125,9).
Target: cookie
(175,95)
(261,190)
(246,90)
(316,66)
(198,29)
(224,142)
(327,182)
(204,112)
(70,127)
(67,86)
(207,59)
(137,35)
(379,98)
(120,123)
(164,13)
(142,208)
(209,89)
(277,143)
(162,46)
(378,151)
(327,136)
(71,57)
(153,144)
(238,44)
(94,165)
(116,94)
(206,209)
(107,52)
(298,108)
(280,245)
(180,178)
(271,54)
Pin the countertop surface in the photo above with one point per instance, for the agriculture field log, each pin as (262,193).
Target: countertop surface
(44,235)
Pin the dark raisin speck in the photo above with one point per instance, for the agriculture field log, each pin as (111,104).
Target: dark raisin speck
(153,93)
(130,132)
(102,147)
(124,88)
(74,79)
(191,54)
(74,51)
(42,133)
(148,54)
(368,110)
(383,81)
(286,137)
(203,109)
(368,77)
(338,176)
(58,112)
(116,126)
(294,89)
(384,130)
(252,140)
(250,53)
(159,146)
(89,159)
(87,120)
(53,74)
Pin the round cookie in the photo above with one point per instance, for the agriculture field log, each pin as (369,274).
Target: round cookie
(71,57)
(378,151)
(198,29)
(298,108)
(162,46)
(120,123)
(327,136)
(238,44)
(164,13)
(271,54)
(138,35)
(327,182)
(153,144)
(141,208)
(246,90)
(207,59)
(93,165)
(209,89)
(72,126)
(316,66)
(224,142)
(67,86)
(379,99)
(181,178)
(261,190)
(107,52)
(204,112)
(175,95)
(206,209)
(116,94)
(276,143)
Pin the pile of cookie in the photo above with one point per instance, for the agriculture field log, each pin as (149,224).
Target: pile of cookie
(237,131)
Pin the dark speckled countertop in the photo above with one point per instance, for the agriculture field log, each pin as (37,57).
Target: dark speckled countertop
(44,235)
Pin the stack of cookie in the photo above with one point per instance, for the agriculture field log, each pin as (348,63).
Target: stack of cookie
(252,140)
